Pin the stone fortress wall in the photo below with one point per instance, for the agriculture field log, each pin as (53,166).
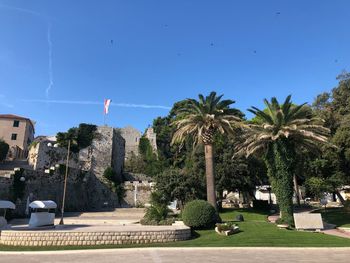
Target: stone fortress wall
(132,139)
(87,189)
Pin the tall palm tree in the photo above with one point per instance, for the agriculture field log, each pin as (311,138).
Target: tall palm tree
(282,131)
(201,120)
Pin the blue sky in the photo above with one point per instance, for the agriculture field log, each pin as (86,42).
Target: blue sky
(145,55)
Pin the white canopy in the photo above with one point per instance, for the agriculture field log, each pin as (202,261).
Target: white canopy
(48,204)
(7,204)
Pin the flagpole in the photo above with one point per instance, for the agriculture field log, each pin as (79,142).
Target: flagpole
(105,111)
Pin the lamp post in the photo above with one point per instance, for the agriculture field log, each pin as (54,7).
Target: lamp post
(65,185)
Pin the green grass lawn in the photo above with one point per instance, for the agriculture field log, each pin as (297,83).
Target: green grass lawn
(255,232)
(336,216)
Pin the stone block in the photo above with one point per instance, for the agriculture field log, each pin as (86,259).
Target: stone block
(305,221)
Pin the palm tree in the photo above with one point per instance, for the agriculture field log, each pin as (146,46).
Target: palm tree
(282,131)
(201,120)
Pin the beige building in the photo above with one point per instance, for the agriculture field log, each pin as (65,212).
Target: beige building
(18,133)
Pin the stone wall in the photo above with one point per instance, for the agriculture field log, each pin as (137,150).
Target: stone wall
(132,139)
(137,193)
(138,189)
(5,187)
(50,187)
(152,137)
(41,156)
(71,238)
(118,153)
(106,150)
(85,191)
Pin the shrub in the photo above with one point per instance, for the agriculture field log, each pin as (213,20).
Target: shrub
(18,186)
(110,174)
(261,205)
(199,214)
(80,137)
(168,222)
(4,148)
(157,212)
(347,205)
(114,183)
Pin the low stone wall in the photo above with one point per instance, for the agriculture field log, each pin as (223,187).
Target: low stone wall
(71,238)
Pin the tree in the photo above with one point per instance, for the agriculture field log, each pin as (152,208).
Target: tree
(80,137)
(333,165)
(284,131)
(238,173)
(200,120)
(4,148)
(175,183)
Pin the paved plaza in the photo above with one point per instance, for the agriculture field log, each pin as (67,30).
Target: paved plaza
(183,255)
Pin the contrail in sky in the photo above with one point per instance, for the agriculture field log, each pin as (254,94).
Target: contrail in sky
(21,10)
(87,102)
(49,42)
(3,102)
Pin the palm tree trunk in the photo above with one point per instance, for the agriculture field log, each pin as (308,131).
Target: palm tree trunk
(209,173)
(296,189)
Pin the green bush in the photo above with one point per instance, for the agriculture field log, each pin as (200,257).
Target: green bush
(199,214)
(18,186)
(4,148)
(261,205)
(165,222)
(110,174)
(157,212)
(80,137)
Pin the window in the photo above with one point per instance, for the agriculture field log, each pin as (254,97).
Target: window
(15,123)
(14,136)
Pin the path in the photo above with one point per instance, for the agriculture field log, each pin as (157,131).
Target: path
(119,216)
(183,255)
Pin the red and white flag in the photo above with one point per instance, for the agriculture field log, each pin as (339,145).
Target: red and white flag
(106,105)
